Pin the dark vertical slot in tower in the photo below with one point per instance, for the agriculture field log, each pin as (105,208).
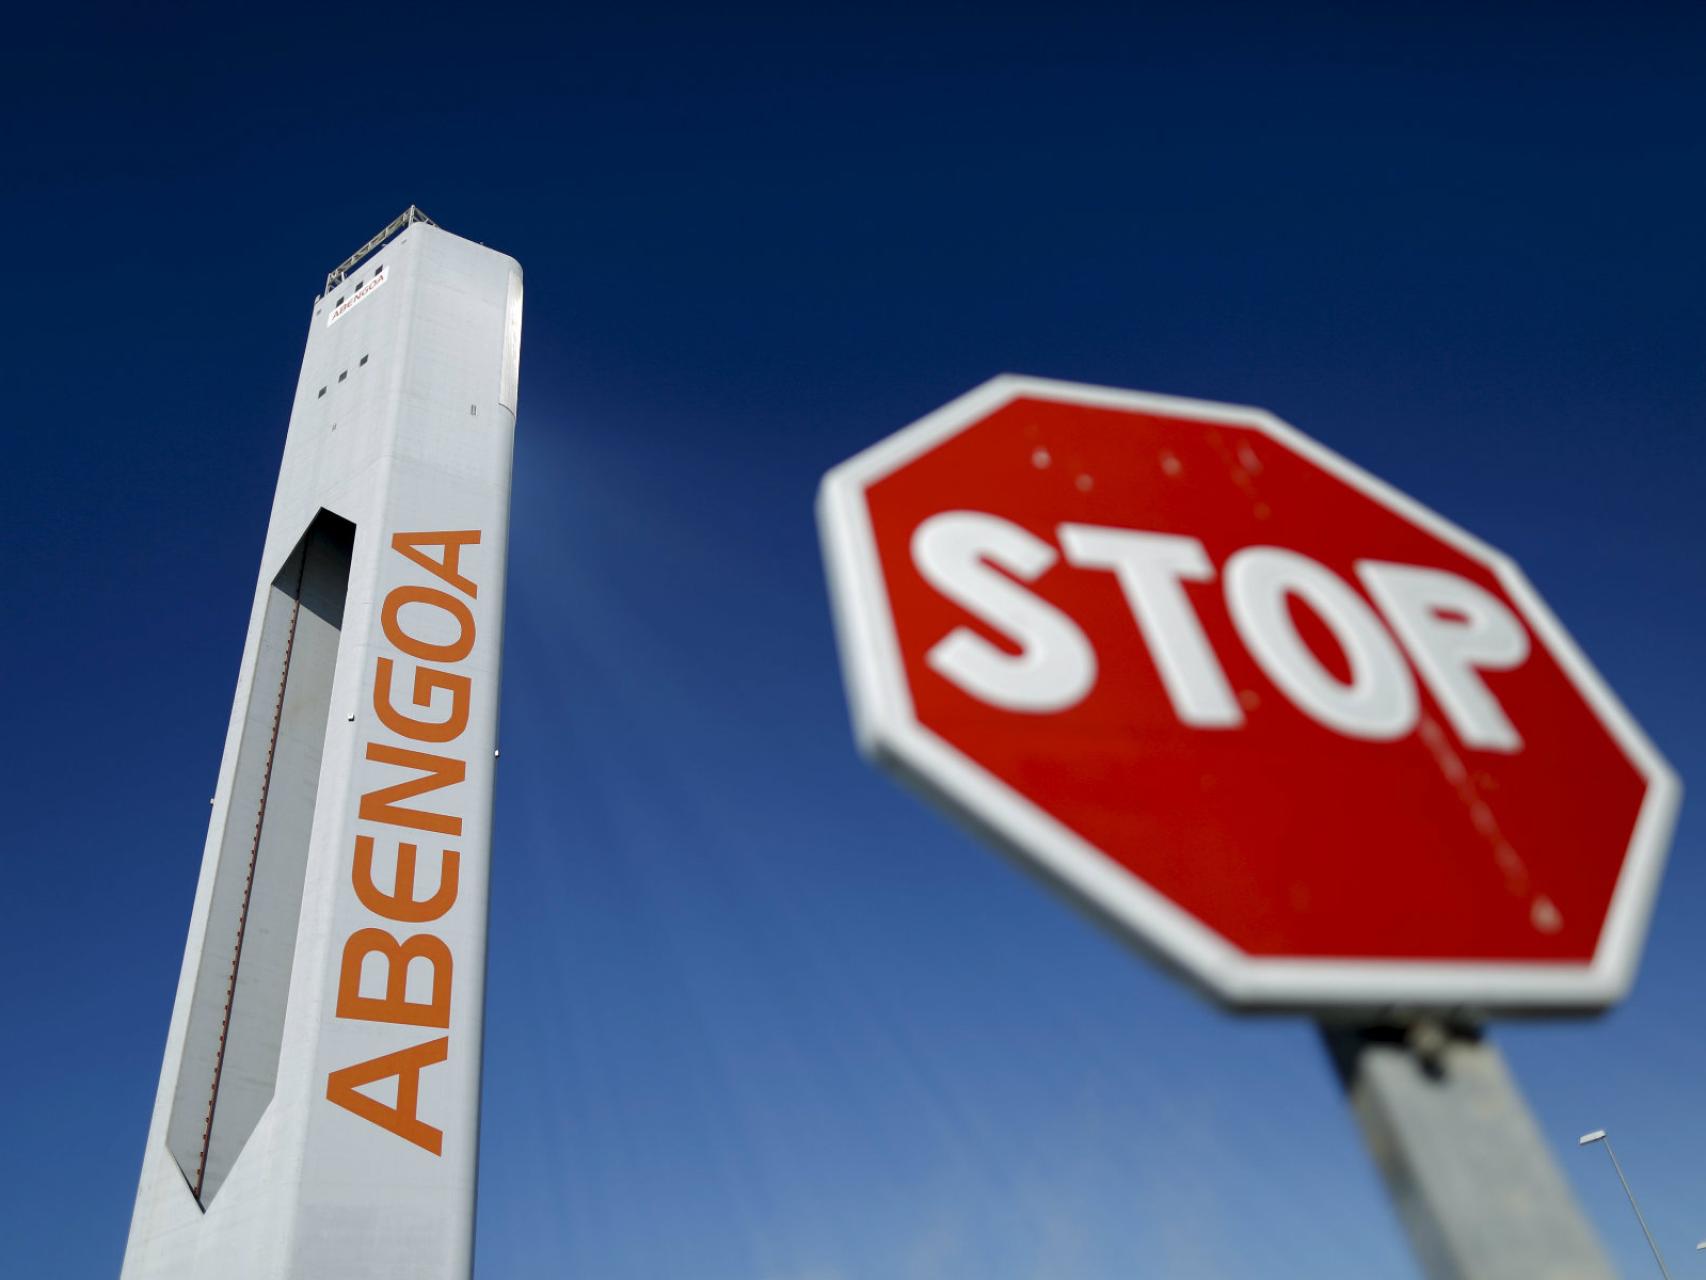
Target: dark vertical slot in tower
(236,1022)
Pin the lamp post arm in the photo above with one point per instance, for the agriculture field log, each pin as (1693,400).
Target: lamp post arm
(1651,1243)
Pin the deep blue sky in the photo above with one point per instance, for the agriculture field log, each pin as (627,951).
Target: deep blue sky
(754,1012)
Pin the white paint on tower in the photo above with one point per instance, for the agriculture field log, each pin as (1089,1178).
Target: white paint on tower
(318,1107)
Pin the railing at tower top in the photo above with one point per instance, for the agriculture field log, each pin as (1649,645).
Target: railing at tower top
(410,215)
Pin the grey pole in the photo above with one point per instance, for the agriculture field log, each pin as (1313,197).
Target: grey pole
(1466,1166)
(1599,1135)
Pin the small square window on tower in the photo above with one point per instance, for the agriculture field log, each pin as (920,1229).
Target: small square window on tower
(321,393)
(364,360)
(343,375)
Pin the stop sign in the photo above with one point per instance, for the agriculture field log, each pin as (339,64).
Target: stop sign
(1289,730)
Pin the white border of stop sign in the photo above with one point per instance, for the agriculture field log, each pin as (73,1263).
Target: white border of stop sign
(889,733)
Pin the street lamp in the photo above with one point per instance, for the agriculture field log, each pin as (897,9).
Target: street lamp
(1598,1135)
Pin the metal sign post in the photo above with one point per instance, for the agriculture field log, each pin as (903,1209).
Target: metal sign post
(1468,1170)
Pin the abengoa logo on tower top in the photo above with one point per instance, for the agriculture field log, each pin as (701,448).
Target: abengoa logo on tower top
(403,933)
(347,302)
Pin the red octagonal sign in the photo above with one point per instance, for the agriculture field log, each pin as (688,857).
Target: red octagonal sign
(1305,740)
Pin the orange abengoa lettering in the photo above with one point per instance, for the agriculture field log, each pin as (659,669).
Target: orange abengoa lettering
(406,1065)
(391,619)
(402,904)
(426,680)
(437,771)
(395,1005)
(435,612)
(449,568)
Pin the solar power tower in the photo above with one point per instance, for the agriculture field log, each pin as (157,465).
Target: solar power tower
(318,1108)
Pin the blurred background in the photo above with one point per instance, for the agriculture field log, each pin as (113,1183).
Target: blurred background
(752,1010)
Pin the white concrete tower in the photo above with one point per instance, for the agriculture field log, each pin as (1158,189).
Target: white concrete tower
(318,1108)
